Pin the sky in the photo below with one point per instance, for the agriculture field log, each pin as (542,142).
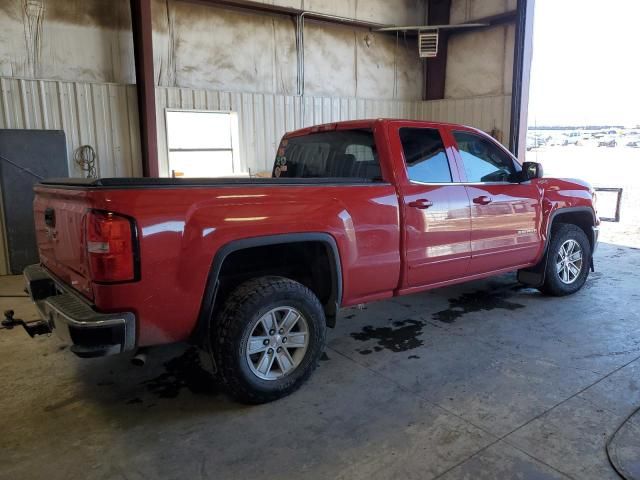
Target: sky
(586,63)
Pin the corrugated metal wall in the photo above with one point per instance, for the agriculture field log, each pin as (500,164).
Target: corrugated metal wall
(264,118)
(486,113)
(105,116)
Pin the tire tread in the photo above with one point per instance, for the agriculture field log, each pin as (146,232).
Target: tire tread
(561,232)
(247,297)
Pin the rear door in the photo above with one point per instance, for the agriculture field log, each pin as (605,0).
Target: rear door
(437,224)
(505,214)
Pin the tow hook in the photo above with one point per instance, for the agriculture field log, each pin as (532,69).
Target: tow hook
(38,327)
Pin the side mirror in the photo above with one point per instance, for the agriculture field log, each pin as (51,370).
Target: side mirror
(531,170)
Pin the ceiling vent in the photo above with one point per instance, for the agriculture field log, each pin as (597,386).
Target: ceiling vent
(428,44)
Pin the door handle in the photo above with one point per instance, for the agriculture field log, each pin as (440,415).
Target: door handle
(421,203)
(483,200)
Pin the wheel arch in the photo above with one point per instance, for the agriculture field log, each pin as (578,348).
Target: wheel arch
(210,297)
(583,217)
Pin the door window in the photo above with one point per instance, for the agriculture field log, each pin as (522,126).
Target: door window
(483,160)
(424,155)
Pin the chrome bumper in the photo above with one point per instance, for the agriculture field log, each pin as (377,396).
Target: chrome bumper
(73,319)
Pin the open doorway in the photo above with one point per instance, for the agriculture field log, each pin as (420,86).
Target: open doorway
(584,109)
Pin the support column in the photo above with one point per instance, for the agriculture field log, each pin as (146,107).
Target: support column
(521,78)
(145,85)
(436,68)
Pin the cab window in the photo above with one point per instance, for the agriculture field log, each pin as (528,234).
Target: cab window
(424,155)
(483,160)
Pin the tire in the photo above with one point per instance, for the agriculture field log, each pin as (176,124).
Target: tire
(561,281)
(279,368)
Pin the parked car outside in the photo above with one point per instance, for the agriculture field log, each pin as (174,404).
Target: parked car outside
(607,141)
(572,138)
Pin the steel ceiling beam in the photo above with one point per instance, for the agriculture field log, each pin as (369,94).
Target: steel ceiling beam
(269,9)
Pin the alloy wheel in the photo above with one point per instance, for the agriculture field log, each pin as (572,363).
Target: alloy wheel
(569,261)
(277,343)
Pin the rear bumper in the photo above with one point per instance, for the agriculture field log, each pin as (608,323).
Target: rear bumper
(596,234)
(72,318)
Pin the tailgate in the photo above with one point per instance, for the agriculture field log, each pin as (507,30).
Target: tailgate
(59,223)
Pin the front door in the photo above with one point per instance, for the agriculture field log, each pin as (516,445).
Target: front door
(505,214)
(436,210)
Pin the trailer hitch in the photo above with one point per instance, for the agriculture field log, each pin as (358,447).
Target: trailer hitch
(37,327)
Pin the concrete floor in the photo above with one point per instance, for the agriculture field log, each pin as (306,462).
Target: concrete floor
(484,380)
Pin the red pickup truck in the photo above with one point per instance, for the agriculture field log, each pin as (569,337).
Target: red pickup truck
(254,270)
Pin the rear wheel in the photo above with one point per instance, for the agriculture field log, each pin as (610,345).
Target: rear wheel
(269,338)
(568,261)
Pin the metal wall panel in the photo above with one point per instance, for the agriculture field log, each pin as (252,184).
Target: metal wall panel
(105,117)
(264,118)
(102,115)
(492,113)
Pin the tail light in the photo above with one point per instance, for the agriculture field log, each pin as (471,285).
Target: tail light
(111,247)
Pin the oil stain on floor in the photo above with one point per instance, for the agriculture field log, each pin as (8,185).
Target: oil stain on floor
(481,300)
(183,372)
(401,336)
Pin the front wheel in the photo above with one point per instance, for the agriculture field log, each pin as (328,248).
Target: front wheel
(269,338)
(568,261)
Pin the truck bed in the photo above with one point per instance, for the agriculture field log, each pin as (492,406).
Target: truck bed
(139,182)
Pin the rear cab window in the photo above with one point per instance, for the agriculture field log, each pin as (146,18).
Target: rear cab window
(333,154)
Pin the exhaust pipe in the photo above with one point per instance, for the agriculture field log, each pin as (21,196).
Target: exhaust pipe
(140,358)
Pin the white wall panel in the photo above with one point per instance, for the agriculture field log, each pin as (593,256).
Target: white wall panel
(492,113)
(98,114)
(264,118)
(105,117)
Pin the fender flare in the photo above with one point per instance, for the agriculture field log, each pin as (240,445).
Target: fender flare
(563,210)
(211,288)
(534,276)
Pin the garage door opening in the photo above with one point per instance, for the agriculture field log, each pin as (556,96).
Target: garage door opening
(202,143)
(584,109)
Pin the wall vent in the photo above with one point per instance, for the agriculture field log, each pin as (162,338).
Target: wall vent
(428,44)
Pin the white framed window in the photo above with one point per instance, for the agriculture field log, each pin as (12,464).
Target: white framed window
(202,143)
